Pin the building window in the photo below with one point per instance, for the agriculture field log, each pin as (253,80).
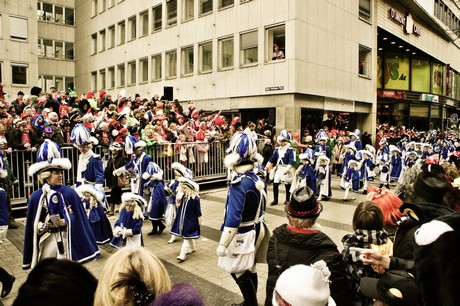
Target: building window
(102,8)
(156,67)
(188,7)
(132,73)
(121,33)
(365,10)
(47,12)
(187,61)
(111,3)
(225,3)
(69,82)
(94,8)
(94,81)
(41,48)
(121,75)
(58,14)
(111,77)
(1,29)
(111,37)
(364,65)
(59,49)
(47,81)
(93,43)
(132,28)
(102,78)
(69,51)
(144,19)
(59,83)
(226,53)
(18,28)
(171,64)
(205,6)
(69,17)
(249,48)
(48,48)
(171,9)
(19,74)
(102,40)
(205,50)
(143,70)
(157,17)
(276,43)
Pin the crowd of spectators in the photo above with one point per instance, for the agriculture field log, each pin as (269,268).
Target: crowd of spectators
(29,119)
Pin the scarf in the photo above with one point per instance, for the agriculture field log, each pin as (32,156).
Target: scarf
(83,161)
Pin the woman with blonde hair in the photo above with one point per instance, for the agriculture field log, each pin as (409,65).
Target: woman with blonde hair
(131,276)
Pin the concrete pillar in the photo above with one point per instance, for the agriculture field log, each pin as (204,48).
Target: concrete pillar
(288,118)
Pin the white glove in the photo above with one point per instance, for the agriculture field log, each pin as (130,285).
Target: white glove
(220,251)
(119,171)
(127,232)
(117,231)
(227,235)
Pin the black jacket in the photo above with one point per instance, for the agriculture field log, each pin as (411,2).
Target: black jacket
(287,248)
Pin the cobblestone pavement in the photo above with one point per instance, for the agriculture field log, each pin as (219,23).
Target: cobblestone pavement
(199,269)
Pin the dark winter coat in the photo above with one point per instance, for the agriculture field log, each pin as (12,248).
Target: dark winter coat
(287,248)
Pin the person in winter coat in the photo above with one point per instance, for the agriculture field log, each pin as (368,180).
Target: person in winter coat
(116,160)
(302,241)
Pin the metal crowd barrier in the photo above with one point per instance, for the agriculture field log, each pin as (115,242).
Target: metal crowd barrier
(205,170)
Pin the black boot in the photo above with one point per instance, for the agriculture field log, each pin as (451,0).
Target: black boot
(288,194)
(161,227)
(154,230)
(7,282)
(275,193)
(247,288)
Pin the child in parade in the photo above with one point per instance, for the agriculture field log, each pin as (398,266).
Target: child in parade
(128,227)
(323,178)
(384,172)
(173,190)
(305,174)
(367,169)
(157,203)
(349,155)
(395,163)
(351,179)
(188,216)
(93,199)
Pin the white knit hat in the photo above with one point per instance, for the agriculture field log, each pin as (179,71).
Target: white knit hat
(302,285)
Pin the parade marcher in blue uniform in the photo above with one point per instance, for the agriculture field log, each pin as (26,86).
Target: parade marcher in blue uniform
(128,228)
(89,169)
(383,152)
(244,213)
(93,199)
(354,140)
(366,172)
(305,174)
(188,216)
(395,163)
(321,148)
(157,204)
(139,162)
(172,188)
(323,178)
(281,164)
(56,224)
(350,154)
(426,151)
(351,179)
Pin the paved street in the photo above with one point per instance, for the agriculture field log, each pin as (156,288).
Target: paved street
(200,268)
